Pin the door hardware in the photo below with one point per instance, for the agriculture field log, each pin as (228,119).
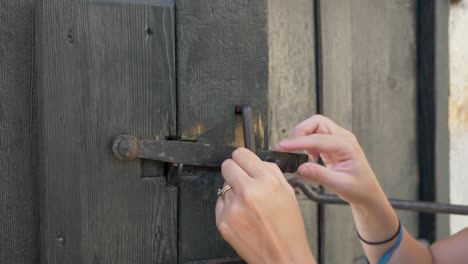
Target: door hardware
(407,205)
(127,147)
(179,153)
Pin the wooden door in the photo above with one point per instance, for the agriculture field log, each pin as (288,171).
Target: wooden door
(104,68)
(109,67)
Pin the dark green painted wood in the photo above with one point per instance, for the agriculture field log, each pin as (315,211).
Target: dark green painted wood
(104,68)
(19,215)
(222,58)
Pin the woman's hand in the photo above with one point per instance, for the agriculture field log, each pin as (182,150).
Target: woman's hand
(347,171)
(260,216)
(348,174)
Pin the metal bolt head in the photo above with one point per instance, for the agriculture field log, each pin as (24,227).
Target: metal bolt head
(126,147)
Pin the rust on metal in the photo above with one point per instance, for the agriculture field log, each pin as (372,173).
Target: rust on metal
(248,125)
(126,147)
(195,154)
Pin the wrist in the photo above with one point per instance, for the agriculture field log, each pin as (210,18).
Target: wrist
(375,221)
(372,197)
(298,256)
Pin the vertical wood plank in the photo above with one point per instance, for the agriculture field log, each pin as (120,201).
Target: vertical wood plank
(222,57)
(19,218)
(442,143)
(104,68)
(369,87)
(291,83)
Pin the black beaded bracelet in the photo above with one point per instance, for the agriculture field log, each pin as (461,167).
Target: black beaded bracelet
(381,242)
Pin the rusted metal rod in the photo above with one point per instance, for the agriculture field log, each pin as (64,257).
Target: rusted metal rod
(408,205)
(247,121)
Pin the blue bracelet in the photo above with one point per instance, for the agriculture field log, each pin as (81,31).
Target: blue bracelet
(386,257)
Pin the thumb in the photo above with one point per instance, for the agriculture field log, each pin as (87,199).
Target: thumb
(319,174)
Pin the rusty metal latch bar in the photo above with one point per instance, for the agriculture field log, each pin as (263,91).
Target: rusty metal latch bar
(179,153)
(127,147)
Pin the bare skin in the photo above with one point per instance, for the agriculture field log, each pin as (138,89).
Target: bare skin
(261,219)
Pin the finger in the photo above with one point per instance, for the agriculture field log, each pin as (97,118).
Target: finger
(249,162)
(314,124)
(275,170)
(219,209)
(315,142)
(234,175)
(321,175)
(314,154)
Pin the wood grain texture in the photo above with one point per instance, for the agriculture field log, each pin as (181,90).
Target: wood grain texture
(19,215)
(442,140)
(222,60)
(369,87)
(104,68)
(291,83)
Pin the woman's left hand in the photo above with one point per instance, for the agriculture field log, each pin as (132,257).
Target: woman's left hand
(260,216)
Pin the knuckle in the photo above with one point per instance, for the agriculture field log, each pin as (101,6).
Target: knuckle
(318,117)
(354,143)
(224,228)
(238,153)
(297,130)
(235,211)
(248,196)
(272,184)
(348,133)
(227,164)
(272,166)
(352,135)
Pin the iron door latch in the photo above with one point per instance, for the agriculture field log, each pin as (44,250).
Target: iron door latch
(178,153)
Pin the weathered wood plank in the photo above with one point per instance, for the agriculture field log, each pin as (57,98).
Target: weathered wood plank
(19,215)
(222,58)
(291,83)
(369,86)
(442,139)
(104,68)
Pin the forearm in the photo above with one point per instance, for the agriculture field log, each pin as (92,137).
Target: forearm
(377,221)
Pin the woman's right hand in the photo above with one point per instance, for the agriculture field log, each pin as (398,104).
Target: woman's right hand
(347,171)
(348,174)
